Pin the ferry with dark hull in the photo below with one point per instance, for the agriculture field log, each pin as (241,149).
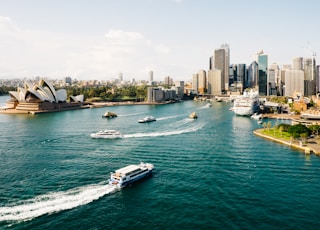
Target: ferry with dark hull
(129,174)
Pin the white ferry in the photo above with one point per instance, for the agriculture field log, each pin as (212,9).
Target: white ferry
(129,174)
(107,134)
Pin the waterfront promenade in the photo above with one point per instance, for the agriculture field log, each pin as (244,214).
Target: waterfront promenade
(310,146)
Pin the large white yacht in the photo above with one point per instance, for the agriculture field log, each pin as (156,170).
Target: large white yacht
(107,134)
(246,104)
(129,174)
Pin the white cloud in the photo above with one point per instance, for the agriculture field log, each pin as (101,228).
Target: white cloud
(27,53)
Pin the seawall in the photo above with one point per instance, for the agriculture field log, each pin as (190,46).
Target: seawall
(307,148)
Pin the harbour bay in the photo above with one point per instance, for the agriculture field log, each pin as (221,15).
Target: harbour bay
(212,172)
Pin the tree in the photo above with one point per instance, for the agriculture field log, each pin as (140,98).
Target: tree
(296,130)
(281,130)
(269,124)
(304,137)
(264,125)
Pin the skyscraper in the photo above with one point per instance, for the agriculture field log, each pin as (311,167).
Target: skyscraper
(202,82)
(151,76)
(219,63)
(220,60)
(226,65)
(262,60)
(309,68)
(214,82)
(195,83)
(241,77)
(273,79)
(253,73)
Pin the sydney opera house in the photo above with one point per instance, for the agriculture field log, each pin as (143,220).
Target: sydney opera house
(41,97)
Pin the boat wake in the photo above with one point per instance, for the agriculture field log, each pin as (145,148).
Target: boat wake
(165,133)
(129,115)
(54,202)
(208,105)
(166,118)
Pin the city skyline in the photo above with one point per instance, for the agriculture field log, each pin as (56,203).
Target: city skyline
(100,39)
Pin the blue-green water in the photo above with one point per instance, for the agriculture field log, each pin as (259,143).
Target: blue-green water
(210,173)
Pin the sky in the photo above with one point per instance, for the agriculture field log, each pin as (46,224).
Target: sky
(99,39)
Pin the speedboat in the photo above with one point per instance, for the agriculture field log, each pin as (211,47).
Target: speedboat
(129,174)
(107,134)
(147,119)
(256,116)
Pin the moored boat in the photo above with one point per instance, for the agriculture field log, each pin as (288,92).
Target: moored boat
(256,116)
(107,134)
(129,174)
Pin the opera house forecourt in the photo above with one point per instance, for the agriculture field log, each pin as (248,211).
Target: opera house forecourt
(40,97)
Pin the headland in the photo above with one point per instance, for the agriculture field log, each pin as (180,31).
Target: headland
(310,146)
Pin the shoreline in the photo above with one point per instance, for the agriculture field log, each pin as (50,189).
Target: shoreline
(87,105)
(308,148)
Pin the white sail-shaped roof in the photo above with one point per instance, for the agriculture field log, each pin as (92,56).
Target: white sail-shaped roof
(36,94)
(78,98)
(44,91)
(61,95)
(45,83)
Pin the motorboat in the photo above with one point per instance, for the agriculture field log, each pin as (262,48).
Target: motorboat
(109,114)
(256,116)
(147,119)
(107,134)
(193,115)
(129,174)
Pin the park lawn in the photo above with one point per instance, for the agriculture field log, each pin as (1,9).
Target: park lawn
(276,133)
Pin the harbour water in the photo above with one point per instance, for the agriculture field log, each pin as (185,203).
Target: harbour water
(210,173)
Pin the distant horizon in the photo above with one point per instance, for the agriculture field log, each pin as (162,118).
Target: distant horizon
(98,40)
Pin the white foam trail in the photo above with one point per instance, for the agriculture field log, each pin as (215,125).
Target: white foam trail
(165,133)
(205,106)
(128,115)
(184,121)
(165,118)
(54,202)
